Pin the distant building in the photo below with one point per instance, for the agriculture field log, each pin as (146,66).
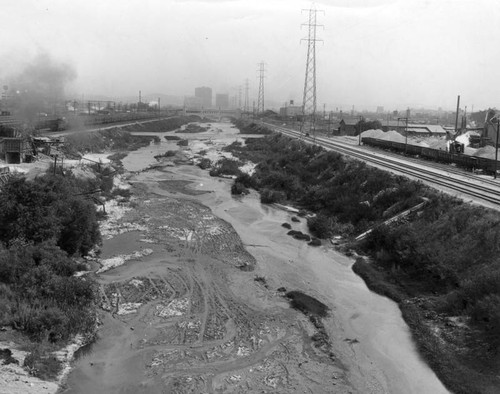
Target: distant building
(221,101)
(290,111)
(348,126)
(194,103)
(380,110)
(205,94)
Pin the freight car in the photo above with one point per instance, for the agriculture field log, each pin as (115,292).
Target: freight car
(471,163)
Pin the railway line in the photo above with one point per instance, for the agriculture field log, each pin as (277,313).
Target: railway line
(450,179)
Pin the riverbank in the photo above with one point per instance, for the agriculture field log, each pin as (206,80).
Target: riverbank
(205,312)
(441,264)
(34,333)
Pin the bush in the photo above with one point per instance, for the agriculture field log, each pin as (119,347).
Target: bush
(321,226)
(238,188)
(204,163)
(271,196)
(42,364)
(226,167)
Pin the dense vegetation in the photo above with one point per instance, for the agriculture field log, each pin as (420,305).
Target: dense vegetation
(45,224)
(347,195)
(250,128)
(440,264)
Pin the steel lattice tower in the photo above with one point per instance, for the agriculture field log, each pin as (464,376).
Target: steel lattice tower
(260,101)
(309,97)
(246,105)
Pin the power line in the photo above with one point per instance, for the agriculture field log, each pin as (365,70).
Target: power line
(260,101)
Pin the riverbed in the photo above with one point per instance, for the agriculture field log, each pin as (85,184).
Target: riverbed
(198,321)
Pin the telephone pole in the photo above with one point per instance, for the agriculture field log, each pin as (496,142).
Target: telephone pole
(309,97)
(260,101)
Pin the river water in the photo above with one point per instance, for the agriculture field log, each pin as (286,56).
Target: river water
(367,330)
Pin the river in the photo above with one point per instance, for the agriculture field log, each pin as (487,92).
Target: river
(367,331)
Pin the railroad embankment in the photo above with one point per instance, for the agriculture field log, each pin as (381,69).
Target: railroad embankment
(440,265)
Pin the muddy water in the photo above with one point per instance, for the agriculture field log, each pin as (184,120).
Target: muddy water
(369,335)
(369,330)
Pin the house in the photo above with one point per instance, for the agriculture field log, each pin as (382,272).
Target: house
(348,126)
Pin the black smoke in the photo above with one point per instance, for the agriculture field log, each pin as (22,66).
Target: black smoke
(39,88)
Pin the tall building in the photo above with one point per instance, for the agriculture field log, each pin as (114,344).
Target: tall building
(221,101)
(205,94)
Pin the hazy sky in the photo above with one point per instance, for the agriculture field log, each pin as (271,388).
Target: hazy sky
(393,53)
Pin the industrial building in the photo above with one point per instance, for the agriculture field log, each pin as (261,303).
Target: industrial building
(291,111)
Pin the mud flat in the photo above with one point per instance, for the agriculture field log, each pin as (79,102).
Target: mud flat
(188,316)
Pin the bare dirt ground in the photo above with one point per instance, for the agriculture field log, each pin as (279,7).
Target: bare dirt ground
(173,324)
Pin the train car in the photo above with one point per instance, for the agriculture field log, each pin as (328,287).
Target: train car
(471,163)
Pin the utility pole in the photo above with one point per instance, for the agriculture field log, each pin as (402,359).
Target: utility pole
(246,106)
(260,101)
(309,96)
(456,116)
(406,128)
(239,97)
(496,149)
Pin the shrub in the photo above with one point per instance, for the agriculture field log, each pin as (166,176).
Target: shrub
(238,188)
(226,167)
(271,196)
(42,364)
(321,226)
(246,180)
(204,163)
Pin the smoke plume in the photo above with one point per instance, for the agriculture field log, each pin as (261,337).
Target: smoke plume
(39,88)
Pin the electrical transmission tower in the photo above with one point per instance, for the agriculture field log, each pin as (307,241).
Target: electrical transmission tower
(309,97)
(247,103)
(260,101)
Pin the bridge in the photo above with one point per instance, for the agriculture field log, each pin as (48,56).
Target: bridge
(215,114)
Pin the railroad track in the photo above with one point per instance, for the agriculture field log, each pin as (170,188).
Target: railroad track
(484,190)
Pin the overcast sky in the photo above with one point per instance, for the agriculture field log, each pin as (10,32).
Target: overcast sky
(392,53)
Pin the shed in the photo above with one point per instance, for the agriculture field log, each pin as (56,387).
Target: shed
(14,150)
